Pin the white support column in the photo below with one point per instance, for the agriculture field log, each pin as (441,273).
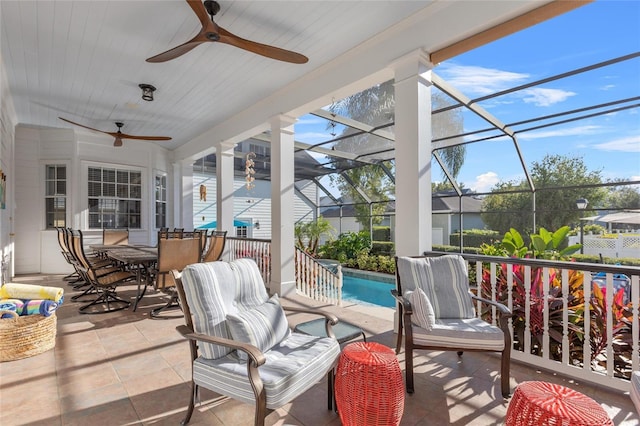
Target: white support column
(183,195)
(413,154)
(224,187)
(282,199)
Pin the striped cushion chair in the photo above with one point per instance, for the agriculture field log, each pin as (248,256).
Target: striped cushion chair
(241,344)
(437,312)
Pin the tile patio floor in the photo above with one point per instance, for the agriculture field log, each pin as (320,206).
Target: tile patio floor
(124,368)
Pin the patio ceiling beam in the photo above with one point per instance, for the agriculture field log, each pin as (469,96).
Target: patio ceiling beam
(526,20)
(445,169)
(353,124)
(387,172)
(356,187)
(326,191)
(303,196)
(545,80)
(326,151)
(482,113)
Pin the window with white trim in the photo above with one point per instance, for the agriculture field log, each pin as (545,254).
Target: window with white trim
(242,231)
(115,198)
(161,201)
(55,198)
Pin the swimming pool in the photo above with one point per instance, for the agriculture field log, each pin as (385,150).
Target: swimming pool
(367,291)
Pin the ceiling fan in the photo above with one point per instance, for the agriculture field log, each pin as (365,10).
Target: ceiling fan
(211,32)
(119,135)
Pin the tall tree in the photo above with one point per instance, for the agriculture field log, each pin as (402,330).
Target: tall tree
(623,197)
(559,182)
(375,106)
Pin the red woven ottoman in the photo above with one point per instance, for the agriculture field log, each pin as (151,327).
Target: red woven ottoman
(542,403)
(369,387)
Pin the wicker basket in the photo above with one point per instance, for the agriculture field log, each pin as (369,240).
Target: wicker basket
(25,336)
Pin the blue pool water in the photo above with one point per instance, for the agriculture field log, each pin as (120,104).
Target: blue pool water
(367,291)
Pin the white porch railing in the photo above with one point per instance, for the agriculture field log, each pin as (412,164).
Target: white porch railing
(552,326)
(316,281)
(258,250)
(313,279)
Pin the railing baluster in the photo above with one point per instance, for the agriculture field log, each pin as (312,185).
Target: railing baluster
(609,308)
(635,297)
(527,310)
(546,348)
(587,349)
(565,316)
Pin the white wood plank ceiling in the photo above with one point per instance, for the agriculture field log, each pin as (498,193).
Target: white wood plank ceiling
(83,60)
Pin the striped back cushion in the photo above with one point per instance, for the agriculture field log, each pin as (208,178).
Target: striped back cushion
(209,289)
(249,285)
(443,279)
(263,326)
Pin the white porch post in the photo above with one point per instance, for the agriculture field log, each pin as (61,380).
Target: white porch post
(224,187)
(413,154)
(183,195)
(282,199)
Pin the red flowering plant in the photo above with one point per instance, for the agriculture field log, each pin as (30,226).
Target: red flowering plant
(546,245)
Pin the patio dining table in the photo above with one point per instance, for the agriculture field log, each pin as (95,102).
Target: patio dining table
(138,258)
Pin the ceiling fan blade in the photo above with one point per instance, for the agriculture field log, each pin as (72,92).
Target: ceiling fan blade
(200,11)
(261,49)
(144,138)
(180,50)
(82,125)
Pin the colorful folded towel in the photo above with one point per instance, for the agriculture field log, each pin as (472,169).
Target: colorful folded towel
(33,307)
(7,306)
(30,291)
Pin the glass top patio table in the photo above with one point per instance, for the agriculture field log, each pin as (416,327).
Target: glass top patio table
(138,257)
(344,331)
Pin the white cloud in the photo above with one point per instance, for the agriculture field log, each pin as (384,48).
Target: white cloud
(545,97)
(473,80)
(484,182)
(630,144)
(573,131)
(608,87)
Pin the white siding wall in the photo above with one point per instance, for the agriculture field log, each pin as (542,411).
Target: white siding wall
(249,205)
(37,249)
(7,144)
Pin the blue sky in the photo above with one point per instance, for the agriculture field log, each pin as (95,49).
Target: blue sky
(599,31)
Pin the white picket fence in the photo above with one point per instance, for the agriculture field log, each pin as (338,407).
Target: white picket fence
(625,245)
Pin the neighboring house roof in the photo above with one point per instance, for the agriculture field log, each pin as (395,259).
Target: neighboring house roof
(631,217)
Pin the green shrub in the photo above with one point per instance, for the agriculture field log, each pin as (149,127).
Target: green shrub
(385,248)
(474,237)
(347,246)
(381,233)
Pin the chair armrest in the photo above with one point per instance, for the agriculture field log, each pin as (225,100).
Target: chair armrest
(330,319)
(503,310)
(254,353)
(406,305)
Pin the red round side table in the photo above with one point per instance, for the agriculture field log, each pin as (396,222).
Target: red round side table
(542,403)
(369,387)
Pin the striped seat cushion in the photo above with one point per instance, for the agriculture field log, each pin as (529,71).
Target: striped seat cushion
(292,367)
(443,279)
(468,333)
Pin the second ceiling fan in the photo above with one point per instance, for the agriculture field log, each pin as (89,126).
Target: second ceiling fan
(118,136)
(211,32)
